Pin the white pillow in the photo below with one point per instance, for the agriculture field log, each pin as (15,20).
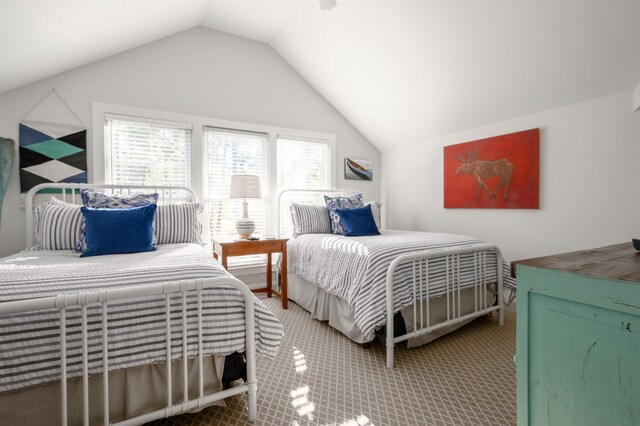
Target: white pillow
(63,203)
(376,206)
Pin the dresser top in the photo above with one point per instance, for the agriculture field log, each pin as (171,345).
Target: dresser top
(618,262)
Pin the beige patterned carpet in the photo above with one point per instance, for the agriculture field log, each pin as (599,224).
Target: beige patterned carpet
(464,378)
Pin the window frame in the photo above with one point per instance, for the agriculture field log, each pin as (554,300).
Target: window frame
(97,149)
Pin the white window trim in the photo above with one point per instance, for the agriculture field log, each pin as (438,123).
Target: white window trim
(198,123)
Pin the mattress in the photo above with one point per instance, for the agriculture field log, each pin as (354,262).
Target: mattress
(29,343)
(354,269)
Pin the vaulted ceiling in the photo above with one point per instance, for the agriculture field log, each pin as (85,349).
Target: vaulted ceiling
(400,71)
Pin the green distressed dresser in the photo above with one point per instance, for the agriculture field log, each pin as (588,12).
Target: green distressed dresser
(578,338)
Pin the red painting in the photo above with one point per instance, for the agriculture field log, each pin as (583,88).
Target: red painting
(501,172)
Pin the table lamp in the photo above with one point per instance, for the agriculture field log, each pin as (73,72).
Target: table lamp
(245,186)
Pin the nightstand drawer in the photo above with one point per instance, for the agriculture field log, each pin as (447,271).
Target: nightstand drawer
(271,246)
(252,247)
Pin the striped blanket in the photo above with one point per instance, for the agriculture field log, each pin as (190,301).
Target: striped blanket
(354,268)
(30,343)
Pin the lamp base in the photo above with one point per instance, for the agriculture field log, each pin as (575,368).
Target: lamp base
(245,228)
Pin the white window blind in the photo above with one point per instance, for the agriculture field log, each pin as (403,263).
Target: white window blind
(147,152)
(302,164)
(231,152)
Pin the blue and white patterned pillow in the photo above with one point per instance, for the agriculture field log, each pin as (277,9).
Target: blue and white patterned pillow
(115,201)
(100,200)
(334,203)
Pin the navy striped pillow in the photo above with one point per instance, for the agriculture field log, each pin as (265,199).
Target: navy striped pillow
(178,223)
(309,219)
(58,226)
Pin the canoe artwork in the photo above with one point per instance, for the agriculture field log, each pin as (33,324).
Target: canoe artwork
(357,169)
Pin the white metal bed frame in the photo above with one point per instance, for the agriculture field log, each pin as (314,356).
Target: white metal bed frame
(420,284)
(103,297)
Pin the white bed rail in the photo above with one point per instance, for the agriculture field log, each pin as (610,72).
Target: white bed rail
(70,192)
(102,298)
(420,286)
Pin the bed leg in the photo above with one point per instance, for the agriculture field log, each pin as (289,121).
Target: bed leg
(252,403)
(390,327)
(500,286)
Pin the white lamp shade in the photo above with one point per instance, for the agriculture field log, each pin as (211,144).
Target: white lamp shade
(245,186)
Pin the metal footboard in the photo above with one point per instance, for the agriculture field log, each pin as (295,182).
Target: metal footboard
(420,285)
(63,302)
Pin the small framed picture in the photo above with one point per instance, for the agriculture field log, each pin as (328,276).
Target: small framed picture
(358,169)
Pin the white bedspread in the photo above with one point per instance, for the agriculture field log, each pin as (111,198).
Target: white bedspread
(354,268)
(29,343)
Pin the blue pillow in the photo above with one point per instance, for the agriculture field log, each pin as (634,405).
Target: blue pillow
(116,231)
(357,222)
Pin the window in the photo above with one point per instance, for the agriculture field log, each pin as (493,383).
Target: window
(145,147)
(233,152)
(147,152)
(302,164)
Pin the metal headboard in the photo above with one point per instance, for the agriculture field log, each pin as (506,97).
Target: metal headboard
(70,192)
(288,195)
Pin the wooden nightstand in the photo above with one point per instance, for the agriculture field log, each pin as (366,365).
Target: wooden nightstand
(222,250)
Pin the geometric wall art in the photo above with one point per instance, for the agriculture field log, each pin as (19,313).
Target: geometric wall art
(501,172)
(51,152)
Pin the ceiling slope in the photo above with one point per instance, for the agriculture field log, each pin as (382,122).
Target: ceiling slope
(259,20)
(404,72)
(401,71)
(39,39)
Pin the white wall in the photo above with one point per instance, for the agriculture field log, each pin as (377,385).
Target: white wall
(589,192)
(201,72)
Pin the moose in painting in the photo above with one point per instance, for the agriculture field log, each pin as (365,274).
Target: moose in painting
(481,169)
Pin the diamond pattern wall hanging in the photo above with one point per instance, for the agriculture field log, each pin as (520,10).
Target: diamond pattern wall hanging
(52,152)
(49,154)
